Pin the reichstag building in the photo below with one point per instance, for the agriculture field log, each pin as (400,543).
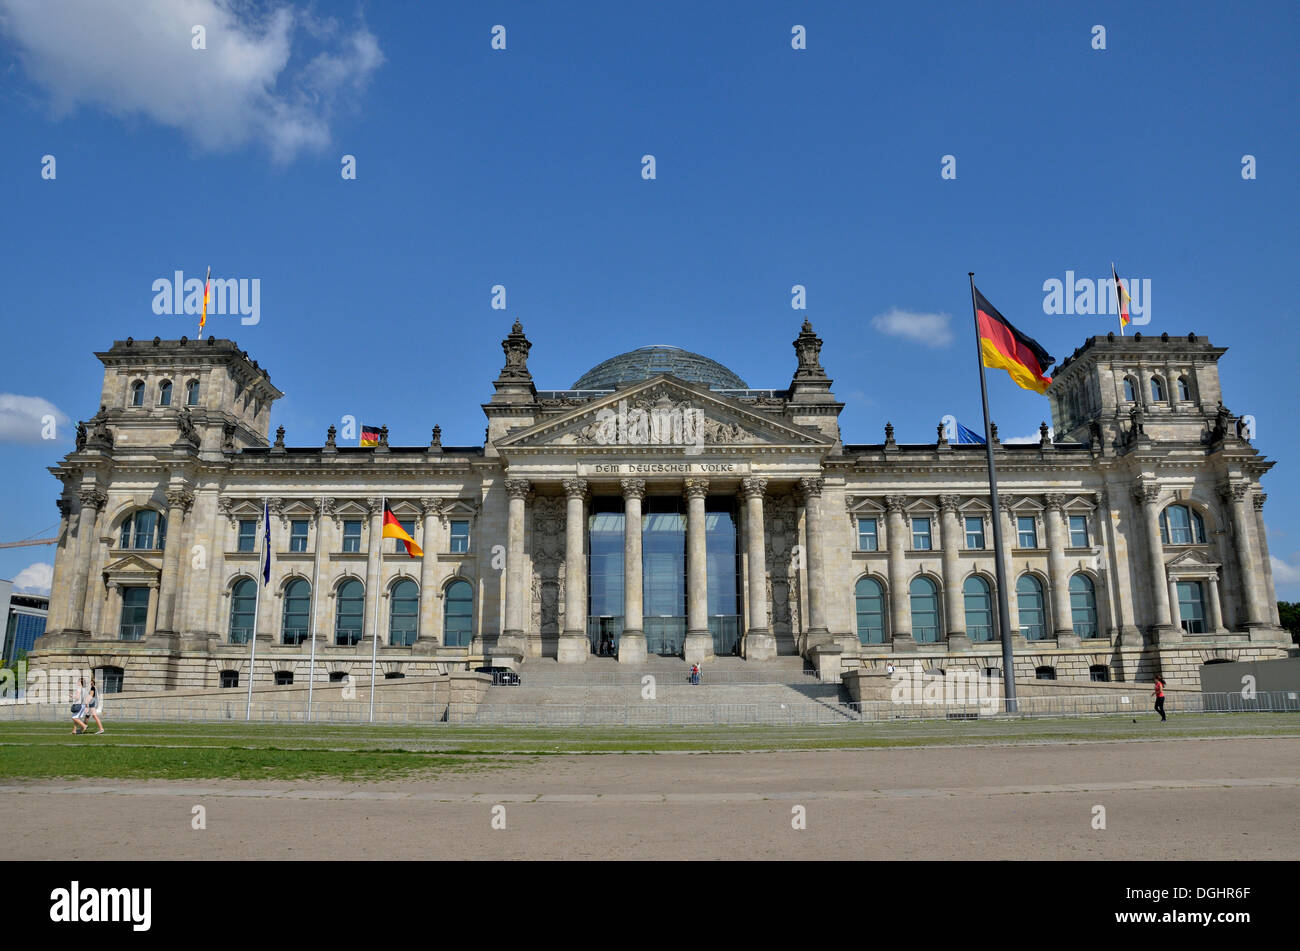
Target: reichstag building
(658,506)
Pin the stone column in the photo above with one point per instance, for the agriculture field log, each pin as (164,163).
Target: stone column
(954,601)
(1216,610)
(1009,573)
(818,631)
(374,564)
(426,642)
(92,500)
(1146,495)
(178,503)
(1175,613)
(151,619)
(1062,620)
(212,626)
(900,603)
(1236,497)
(114,623)
(514,638)
(699,641)
(759,643)
(574,646)
(1266,565)
(65,554)
(631,643)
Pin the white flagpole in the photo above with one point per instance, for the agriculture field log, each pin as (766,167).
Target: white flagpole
(257,608)
(374,643)
(315,583)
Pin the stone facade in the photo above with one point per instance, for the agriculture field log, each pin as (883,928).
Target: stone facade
(1146,506)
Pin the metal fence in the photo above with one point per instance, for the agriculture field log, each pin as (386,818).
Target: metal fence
(654,712)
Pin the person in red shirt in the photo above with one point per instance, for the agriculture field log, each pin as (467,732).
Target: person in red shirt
(1159,694)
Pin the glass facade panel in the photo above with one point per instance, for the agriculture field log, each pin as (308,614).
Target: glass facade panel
(663,573)
(871,611)
(925,611)
(404,615)
(722,565)
(605,572)
(1029,600)
(979,609)
(349,613)
(458,615)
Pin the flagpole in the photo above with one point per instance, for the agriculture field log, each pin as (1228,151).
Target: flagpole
(257,611)
(374,644)
(315,583)
(1119,300)
(1004,613)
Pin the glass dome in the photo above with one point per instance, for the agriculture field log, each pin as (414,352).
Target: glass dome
(642,364)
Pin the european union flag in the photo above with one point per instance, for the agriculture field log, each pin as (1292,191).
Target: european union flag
(965,435)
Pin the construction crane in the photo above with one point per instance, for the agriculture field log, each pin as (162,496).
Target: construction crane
(30,541)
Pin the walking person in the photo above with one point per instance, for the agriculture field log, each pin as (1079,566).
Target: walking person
(695,674)
(79,707)
(1159,694)
(93,705)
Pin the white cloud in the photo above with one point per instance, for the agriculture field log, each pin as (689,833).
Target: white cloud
(25,419)
(933,330)
(35,579)
(251,84)
(1036,438)
(1284,573)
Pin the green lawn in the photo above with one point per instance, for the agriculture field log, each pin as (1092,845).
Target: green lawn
(311,751)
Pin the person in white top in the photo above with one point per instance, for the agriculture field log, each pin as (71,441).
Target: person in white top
(79,707)
(93,704)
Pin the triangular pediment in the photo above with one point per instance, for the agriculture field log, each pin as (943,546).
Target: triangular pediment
(132,568)
(662,414)
(1192,558)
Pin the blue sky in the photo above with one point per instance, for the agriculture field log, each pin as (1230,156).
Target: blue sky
(522,167)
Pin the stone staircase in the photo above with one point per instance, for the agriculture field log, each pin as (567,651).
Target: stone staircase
(604,692)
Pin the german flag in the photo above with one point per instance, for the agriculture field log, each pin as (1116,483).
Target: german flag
(1121,294)
(207,294)
(1004,347)
(393,529)
(369,435)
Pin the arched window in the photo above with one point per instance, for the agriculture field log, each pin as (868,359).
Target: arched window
(1083,606)
(1130,392)
(1191,606)
(871,611)
(979,609)
(243,607)
(297,611)
(192,393)
(1158,390)
(1029,600)
(165,393)
(925,611)
(349,613)
(404,617)
(1182,525)
(458,615)
(143,530)
(1045,672)
(1184,390)
(137,393)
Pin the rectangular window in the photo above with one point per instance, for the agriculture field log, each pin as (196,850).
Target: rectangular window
(920,534)
(1078,531)
(247,534)
(974,533)
(1027,530)
(459,537)
(352,535)
(298,534)
(867,538)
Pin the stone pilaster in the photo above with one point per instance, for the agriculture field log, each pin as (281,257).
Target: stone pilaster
(698,645)
(1147,494)
(374,564)
(818,631)
(514,637)
(426,641)
(900,604)
(1062,621)
(1005,514)
(179,503)
(631,643)
(92,501)
(954,600)
(1236,497)
(758,643)
(574,646)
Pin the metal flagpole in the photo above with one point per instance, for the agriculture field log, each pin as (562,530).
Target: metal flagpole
(1004,613)
(374,644)
(1119,300)
(257,605)
(315,583)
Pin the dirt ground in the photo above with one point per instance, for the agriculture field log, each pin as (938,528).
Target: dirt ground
(1172,799)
